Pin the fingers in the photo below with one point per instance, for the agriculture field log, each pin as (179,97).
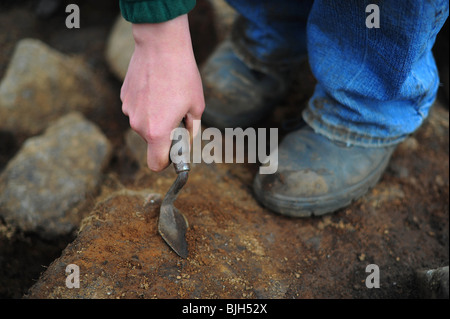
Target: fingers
(157,134)
(159,144)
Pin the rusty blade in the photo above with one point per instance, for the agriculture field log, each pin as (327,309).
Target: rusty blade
(172,224)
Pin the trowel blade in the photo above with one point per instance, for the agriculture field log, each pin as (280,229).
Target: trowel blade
(172,227)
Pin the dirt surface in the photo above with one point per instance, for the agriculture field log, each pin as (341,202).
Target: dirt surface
(237,248)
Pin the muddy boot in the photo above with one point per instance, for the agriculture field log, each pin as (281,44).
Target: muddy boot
(237,95)
(316,176)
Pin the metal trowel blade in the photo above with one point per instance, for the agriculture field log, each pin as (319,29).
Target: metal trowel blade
(172,226)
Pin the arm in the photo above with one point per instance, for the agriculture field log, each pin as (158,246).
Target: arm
(162,86)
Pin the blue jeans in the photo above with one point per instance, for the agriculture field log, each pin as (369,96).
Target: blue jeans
(375,86)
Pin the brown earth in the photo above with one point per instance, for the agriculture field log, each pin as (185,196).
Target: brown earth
(237,249)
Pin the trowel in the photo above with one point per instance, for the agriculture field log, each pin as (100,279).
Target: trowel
(172,224)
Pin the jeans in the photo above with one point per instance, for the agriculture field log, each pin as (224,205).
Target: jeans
(375,86)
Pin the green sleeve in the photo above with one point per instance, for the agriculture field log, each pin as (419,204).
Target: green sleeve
(154,11)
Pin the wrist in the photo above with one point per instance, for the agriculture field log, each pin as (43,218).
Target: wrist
(170,34)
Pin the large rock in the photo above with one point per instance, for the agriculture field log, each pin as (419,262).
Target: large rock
(121,255)
(41,84)
(52,174)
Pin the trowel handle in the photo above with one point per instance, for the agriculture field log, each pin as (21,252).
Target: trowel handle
(183,159)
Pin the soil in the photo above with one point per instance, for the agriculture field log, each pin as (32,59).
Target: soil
(402,224)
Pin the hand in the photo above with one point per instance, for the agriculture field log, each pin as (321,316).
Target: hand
(162,86)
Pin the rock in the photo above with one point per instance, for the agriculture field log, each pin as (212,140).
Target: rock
(119,47)
(41,84)
(51,175)
(434,283)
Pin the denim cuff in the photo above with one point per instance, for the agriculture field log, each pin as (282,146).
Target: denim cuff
(344,135)
(322,114)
